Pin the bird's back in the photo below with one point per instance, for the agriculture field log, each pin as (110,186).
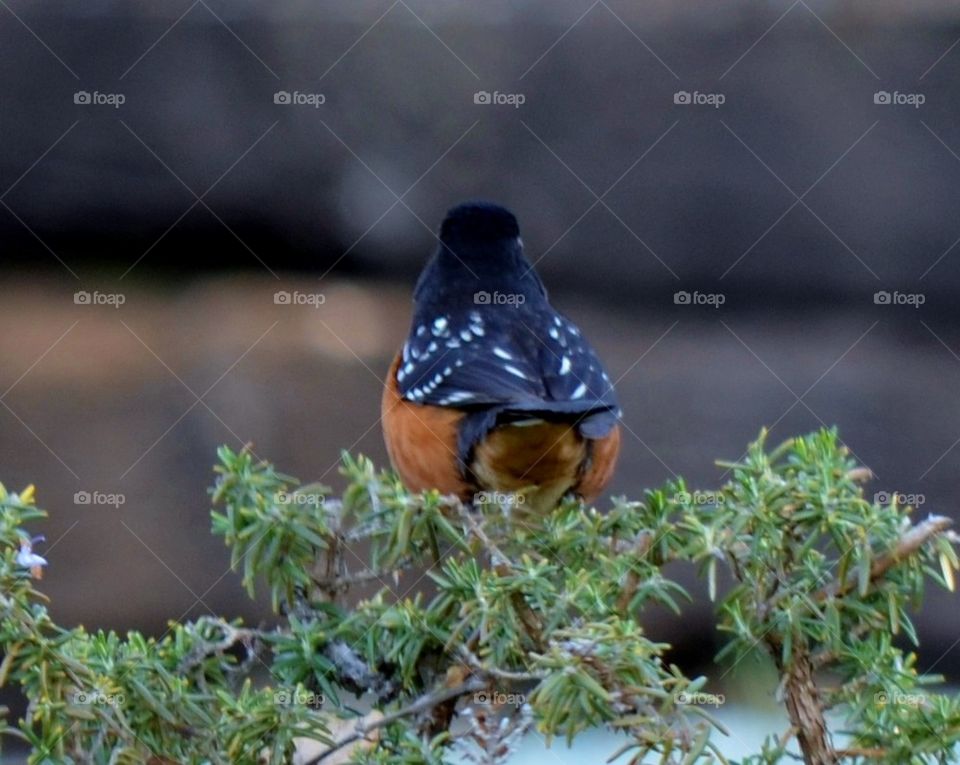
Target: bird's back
(493,389)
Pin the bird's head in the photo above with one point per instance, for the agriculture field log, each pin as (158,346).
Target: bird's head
(480,249)
(478,222)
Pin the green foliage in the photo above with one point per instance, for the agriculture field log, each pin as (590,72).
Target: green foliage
(824,573)
(100,698)
(266,525)
(493,619)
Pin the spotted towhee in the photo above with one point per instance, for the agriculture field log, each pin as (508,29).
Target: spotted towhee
(494,390)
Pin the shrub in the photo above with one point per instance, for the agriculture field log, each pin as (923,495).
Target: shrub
(505,621)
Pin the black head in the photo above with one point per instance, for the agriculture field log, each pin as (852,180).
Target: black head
(480,250)
(478,222)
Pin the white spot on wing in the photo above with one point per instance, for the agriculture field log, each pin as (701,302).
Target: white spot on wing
(581,389)
(498,351)
(457,397)
(439,325)
(564,365)
(515,372)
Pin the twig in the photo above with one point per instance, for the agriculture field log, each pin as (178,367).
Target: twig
(359,577)
(501,564)
(873,753)
(247,639)
(355,673)
(424,703)
(639,549)
(329,568)
(496,555)
(908,544)
(474,663)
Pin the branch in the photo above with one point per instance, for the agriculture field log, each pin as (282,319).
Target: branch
(473,661)
(355,673)
(873,753)
(806,710)
(343,581)
(425,703)
(804,704)
(501,564)
(908,544)
(328,568)
(496,555)
(639,548)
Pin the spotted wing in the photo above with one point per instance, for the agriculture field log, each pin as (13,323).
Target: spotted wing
(524,362)
(473,359)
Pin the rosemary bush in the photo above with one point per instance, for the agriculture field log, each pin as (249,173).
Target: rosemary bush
(505,622)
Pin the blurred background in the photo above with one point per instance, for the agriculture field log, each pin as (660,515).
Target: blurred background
(212,215)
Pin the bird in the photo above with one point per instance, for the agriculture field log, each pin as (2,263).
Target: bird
(494,393)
